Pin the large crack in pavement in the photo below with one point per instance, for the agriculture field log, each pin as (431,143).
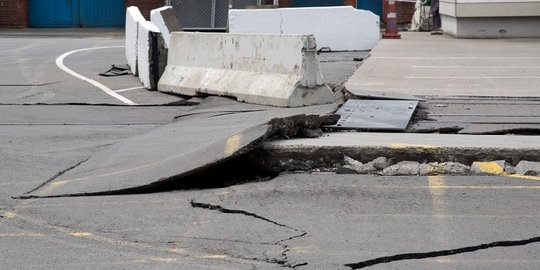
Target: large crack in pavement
(440,253)
(54,177)
(176,156)
(233,211)
(284,260)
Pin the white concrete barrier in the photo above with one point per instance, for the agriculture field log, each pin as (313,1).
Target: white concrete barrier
(133,17)
(338,28)
(167,21)
(147,54)
(278,70)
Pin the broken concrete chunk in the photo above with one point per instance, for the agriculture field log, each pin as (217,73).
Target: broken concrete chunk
(509,169)
(403,168)
(528,168)
(367,168)
(456,168)
(486,168)
(380,163)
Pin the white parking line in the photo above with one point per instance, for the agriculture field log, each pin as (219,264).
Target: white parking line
(480,67)
(107,90)
(129,89)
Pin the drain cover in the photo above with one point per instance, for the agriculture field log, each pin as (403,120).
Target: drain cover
(375,114)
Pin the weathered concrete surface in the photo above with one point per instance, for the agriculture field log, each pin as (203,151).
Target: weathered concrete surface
(425,65)
(133,17)
(336,28)
(346,219)
(197,140)
(328,151)
(246,66)
(148,54)
(528,168)
(166,20)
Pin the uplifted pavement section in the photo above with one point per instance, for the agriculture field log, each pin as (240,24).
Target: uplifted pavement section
(303,154)
(424,65)
(216,131)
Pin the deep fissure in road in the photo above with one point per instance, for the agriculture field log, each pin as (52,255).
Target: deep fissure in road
(448,252)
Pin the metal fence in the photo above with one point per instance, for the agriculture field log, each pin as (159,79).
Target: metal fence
(208,14)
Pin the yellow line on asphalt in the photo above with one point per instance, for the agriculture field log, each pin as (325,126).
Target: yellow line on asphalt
(9,214)
(522,176)
(81,234)
(21,235)
(412,145)
(233,144)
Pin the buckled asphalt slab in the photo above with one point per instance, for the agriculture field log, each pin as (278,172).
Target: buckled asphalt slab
(195,141)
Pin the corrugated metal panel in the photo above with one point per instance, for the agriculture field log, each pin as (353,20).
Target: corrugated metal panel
(53,13)
(102,13)
(77,13)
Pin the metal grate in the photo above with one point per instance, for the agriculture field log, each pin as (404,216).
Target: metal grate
(375,114)
(208,14)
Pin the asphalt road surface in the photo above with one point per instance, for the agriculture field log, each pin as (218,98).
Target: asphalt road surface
(294,220)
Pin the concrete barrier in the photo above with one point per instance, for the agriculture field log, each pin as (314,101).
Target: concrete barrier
(166,20)
(278,70)
(338,28)
(151,54)
(133,17)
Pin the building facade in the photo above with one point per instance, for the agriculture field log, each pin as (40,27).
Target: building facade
(69,13)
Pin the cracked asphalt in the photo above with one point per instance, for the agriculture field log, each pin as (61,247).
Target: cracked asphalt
(295,220)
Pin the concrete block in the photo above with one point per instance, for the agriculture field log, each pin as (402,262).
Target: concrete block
(277,70)
(528,168)
(380,163)
(338,28)
(486,168)
(166,20)
(133,17)
(403,168)
(151,54)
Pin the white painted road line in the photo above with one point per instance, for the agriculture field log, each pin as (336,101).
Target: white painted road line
(479,77)
(129,89)
(107,90)
(452,58)
(480,67)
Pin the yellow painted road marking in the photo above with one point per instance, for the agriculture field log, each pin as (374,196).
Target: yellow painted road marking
(233,144)
(412,145)
(217,256)
(81,234)
(21,235)
(490,167)
(522,176)
(9,214)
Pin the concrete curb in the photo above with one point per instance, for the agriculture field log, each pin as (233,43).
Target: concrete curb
(329,150)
